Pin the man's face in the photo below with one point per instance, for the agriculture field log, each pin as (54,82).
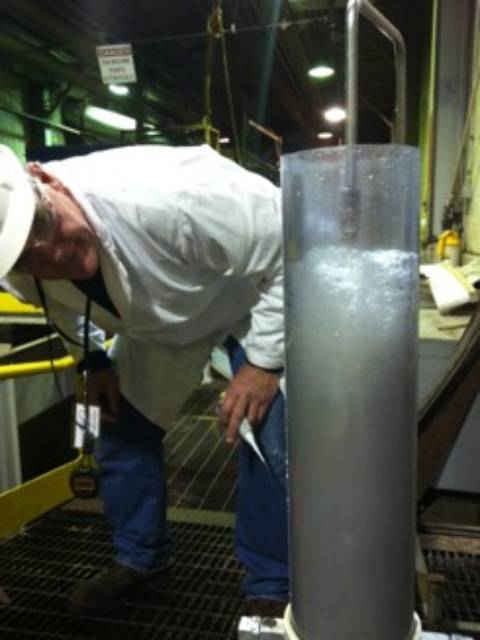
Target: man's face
(72,250)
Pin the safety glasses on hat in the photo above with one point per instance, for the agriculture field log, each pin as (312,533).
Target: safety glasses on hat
(17,207)
(44,224)
(45,217)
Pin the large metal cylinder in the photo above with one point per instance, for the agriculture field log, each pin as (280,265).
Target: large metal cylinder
(350,224)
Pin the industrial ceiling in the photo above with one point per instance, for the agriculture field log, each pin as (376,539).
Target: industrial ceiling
(245,68)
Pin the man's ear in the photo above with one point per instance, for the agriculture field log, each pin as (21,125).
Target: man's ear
(37,171)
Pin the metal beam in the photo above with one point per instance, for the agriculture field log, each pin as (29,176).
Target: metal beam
(10,466)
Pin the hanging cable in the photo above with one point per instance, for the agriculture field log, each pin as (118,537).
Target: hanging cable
(213,27)
(466,132)
(283,25)
(228,87)
(236,7)
(54,327)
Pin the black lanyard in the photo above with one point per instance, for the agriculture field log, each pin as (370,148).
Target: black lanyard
(43,301)
(84,479)
(88,439)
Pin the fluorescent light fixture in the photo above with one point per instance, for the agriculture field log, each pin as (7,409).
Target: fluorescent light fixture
(119,89)
(152,133)
(321,71)
(335,114)
(224,140)
(325,135)
(111,118)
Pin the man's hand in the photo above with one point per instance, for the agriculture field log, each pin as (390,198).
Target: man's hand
(103,391)
(248,395)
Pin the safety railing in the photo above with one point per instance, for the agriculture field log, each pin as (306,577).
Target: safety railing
(9,371)
(25,502)
(11,305)
(30,500)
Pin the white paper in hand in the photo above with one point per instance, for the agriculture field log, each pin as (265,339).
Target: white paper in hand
(246,432)
(80,426)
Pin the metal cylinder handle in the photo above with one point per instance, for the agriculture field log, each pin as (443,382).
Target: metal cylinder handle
(354,8)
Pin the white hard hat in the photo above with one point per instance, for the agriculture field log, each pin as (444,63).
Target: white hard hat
(17,207)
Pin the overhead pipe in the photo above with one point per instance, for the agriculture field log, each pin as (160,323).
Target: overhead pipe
(42,60)
(82,50)
(51,125)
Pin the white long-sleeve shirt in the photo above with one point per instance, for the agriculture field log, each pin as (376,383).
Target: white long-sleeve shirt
(190,251)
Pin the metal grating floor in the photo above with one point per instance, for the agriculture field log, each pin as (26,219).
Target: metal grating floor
(461,594)
(201,469)
(37,568)
(201,600)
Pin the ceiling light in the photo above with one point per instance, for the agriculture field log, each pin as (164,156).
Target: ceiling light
(321,71)
(224,140)
(111,118)
(335,114)
(325,135)
(119,89)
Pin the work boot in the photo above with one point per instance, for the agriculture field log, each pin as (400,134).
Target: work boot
(266,608)
(108,589)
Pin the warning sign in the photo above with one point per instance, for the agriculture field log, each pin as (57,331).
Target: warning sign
(116,64)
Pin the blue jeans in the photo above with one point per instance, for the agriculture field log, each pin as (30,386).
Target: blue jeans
(132,484)
(261,536)
(131,460)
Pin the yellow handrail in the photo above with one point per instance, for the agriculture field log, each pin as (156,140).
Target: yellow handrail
(42,366)
(25,502)
(34,368)
(11,305)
